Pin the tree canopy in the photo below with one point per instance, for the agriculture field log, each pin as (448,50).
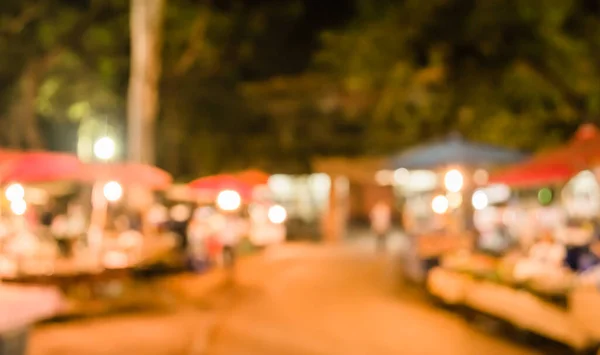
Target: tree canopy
(272,84)
(520,73)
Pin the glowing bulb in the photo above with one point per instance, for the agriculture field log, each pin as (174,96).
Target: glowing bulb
(229,200)
(277,214)
(15,192)
(104,148)
(479,200)
(453,180)
(112,191)
(439,204)
(19,207)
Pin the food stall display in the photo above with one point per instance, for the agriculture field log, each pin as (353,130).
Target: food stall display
(267,224)
(457,167)
(245,192)
(548,280)
(233,206)
(72,243)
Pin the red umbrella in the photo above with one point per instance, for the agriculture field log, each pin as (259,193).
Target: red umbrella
(557,165)
(128,174)
(253,177)
(583,150)
(533,174)
(7,154)
(213,185)
(39,167)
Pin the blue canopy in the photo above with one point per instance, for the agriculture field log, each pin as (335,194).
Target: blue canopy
(454,150)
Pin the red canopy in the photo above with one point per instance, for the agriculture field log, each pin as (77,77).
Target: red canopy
(38,166)
(557,165)
(213,185)
(583,150)
(532,174)
(128,174)
(7,154)
(253,177)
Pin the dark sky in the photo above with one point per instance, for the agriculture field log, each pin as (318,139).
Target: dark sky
(290,46)
(320,15)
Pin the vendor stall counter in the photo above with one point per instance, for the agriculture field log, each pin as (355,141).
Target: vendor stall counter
(566,313)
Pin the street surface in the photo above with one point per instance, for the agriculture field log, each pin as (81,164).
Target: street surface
(293,299)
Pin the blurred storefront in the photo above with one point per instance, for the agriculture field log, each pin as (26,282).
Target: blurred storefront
(354,189)
(303,196)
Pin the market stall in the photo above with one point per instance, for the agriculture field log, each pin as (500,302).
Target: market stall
(250,195)
(233,209)
(546,279)
(31,252)
(547,304)
(437,182)
(24,242)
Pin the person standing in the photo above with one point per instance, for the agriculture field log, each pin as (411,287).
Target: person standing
(381,215)
(229,237)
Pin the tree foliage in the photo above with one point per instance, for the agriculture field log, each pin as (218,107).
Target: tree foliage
(51,79)
(501,71)
(234,94)
(206,122)
(520,73)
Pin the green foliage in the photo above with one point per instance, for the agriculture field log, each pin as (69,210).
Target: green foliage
(500,71)
(77,50)
(522,73)
(205,120)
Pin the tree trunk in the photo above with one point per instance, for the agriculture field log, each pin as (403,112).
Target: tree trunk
(146,26)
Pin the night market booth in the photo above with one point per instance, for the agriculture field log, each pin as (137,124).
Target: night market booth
(84,244)
(436,182)
(20,307)
(48,237)
(535,265)
(222,211)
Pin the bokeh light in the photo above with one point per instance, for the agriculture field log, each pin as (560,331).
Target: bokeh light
(229,200)
(15,192)
(113,191)
(479,200)
(440,204)
(277,214)
(104,148)
(453,181)
(18,207)
(545,196)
